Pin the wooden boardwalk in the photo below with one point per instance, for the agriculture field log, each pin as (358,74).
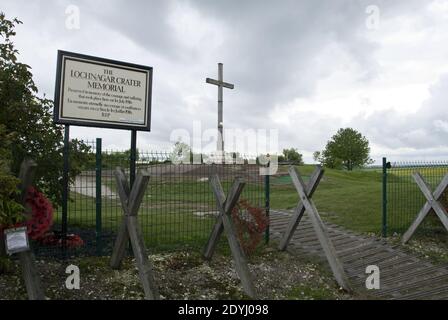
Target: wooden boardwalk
(402,275)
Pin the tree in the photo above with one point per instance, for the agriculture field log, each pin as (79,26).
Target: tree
(317,156)
(27,119)
(10,209)
(347,149)
(291,155)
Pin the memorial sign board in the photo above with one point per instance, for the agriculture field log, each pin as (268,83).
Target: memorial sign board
(92,91)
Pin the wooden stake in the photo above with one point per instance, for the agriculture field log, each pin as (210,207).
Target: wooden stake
(225,223)
(130,230)
(307,204)
(26,258)
(432,202)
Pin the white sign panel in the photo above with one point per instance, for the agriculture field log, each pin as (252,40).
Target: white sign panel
(98,92)
(16,240)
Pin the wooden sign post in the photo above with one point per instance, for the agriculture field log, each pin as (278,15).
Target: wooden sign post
(225,223)
(306,204)
(130,230)
(432,202)
(26,258)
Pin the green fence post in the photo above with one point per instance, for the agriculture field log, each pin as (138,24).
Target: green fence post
(98,168)
(384,227)
(267,195)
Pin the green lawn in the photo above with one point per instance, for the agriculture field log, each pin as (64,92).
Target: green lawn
(173,212)
(169,213)
(351,199)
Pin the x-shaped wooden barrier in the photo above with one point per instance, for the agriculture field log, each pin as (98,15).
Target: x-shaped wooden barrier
(224,223)
(27,260)
(432,202)
(306,204)
(130,230)
(300,208)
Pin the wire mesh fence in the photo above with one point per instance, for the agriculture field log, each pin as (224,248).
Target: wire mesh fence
(178,208)
(405,199)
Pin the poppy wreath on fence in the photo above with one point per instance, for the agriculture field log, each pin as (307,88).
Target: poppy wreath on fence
(71,240)
(250,223)
(42,211)
(41,220)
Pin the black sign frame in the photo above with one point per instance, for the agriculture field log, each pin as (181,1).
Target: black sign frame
(58,95)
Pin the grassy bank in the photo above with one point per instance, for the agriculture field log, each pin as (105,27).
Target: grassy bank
(351,199)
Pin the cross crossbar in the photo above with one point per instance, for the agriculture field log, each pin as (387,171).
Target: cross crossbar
(432,202)
(220,83)
(225,224)
(306,204)
(130,231)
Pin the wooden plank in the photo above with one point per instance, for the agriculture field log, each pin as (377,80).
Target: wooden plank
(26,176)
(374,259)
(378,260)
(218,228)
(138,192)
(122,188)
(416,223)
(416,284)
(121,245)
(410,274)
(213,239)
(130,230)
(122,241)
(30,276)
(221,201)
(145,268)
(327,246)
(239,257)
(432,202)
(401,272)
(300,208)
(225,207)
(425,295)
(362,254)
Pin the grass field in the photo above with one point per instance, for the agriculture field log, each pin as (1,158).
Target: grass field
(182,210)
(351,199)
(175,211)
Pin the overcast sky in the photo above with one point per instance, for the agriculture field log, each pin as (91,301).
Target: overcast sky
(305,68)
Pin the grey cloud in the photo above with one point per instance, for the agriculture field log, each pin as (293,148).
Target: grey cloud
(273,52)
(427,128)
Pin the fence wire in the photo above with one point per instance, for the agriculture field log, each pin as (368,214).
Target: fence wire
(405,199)
(178,208)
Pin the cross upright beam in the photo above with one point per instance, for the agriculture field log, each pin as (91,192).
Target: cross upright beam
(221,84)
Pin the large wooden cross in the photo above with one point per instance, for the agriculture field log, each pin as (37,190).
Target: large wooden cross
(225,223)
(221,84)
(130,230)
(307,205)
(432,202)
